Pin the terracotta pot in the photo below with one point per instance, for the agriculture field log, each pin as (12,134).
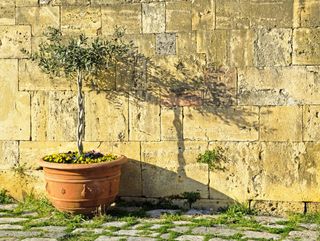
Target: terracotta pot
(82,188)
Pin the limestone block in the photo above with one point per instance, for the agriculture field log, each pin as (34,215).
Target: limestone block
(279,86)
(106,2)
(170,168)
(290,168)
(32,182)
(178,16)
(27,3)
(13,39)
(62,119)
(310,13)
(313,207)
(186,43)
(144,116)
(15,106)
(306,46)
(145,43)
(9,154)
(273,47)
(39,18)
(232,14)
(71,2)
(124,15)
(171,123)
(242,48)
(32,78)
(7,12)
(106,117)
(39,116)
(277,208)
(281,123)
(216,44)
(203,15)
(153,17)
(214,123)
(240,175)
(32,151)
(271,14)
(166,44)
(311,121)
(77,20)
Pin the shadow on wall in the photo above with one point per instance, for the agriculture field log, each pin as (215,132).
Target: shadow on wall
(162,186)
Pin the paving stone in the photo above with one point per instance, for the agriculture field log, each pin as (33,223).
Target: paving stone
(50,228)
(9,239)
(113,224)
(190,238)
(269,219)
(29,214)
(193,212)
(129,232)
(10,227)
(156,226)
(94,230)
(261,235)
(107,238)
(12,220)
(165,236)
(219,239)
(8,207)
(279,226)
(214,230)
(310,226)
(16,234)
(304,235)
(180,229)
(39,239)
(140,239)
(181,222)
(158,212)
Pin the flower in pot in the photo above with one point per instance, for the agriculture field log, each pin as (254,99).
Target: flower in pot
(80,182)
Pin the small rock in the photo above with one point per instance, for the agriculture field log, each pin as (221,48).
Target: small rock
(94,230)
(12,220)
(214,230)
(305,235)
(10,227)
(8,207)
(165,236)
(261,235)
(114,224)
(190,238)
(156,213)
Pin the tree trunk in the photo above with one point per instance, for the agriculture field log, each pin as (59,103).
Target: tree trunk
(80,128)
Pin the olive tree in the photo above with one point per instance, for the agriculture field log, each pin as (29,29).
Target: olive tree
(79,58)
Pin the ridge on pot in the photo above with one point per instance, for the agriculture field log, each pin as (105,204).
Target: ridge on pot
(82,188)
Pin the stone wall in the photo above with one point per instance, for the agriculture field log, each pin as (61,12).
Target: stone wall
(261,104)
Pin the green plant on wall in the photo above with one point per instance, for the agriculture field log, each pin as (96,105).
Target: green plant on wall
(213,158)
(79,59)
(191,197)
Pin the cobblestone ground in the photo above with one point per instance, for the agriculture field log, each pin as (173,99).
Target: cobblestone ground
(193,226)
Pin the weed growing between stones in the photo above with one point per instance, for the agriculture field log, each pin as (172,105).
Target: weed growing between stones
(5,198)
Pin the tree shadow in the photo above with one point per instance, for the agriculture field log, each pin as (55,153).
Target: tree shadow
(176,83)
